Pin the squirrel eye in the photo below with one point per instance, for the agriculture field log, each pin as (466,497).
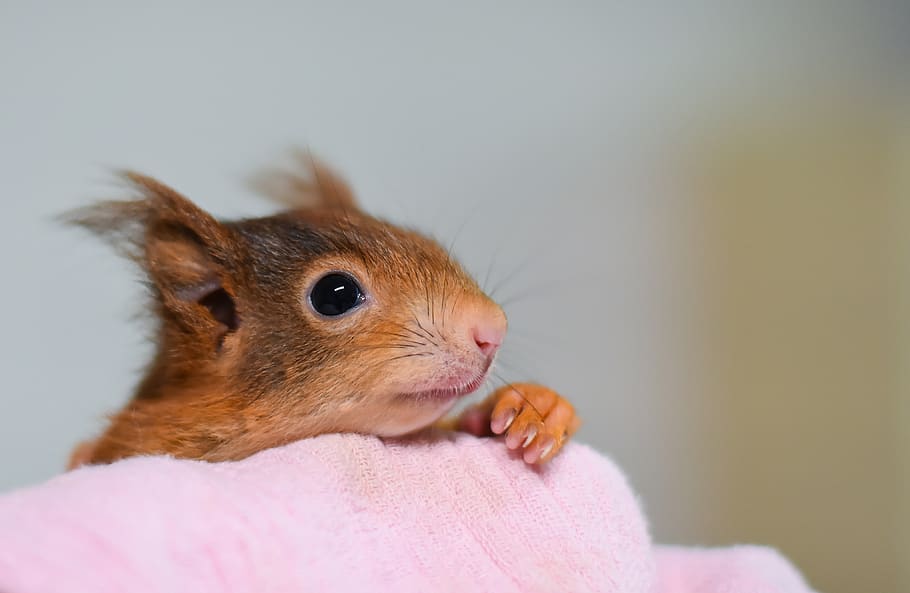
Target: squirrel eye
(335,294)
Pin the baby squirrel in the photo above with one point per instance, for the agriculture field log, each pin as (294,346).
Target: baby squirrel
(315,320)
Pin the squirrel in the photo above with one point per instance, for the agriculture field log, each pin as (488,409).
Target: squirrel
(317,319)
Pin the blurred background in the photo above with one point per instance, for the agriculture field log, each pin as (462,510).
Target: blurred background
(696,214)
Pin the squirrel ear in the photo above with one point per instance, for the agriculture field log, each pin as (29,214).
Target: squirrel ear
(312,185)
(183,249)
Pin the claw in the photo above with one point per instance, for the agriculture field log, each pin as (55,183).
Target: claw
(532,418)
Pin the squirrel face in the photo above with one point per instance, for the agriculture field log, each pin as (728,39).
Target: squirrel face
(378,320)
(318,319)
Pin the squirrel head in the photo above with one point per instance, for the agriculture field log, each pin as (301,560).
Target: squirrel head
(320,318)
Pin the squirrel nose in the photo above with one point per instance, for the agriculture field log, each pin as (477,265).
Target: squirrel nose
(488,337)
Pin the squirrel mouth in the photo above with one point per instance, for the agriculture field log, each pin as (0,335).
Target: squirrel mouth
(440,394)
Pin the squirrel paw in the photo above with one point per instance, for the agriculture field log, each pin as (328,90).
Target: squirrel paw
(532,417)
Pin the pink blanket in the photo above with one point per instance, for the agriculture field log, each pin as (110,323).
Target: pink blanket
(353,513)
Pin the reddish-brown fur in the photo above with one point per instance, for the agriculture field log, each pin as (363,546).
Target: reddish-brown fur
(242,363)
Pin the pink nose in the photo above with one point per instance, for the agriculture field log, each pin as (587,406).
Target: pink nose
(489,338)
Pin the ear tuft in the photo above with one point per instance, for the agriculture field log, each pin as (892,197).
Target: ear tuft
(184,250)
(311,184)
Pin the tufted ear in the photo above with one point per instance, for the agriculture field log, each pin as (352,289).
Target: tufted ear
(185,252)
(310,184)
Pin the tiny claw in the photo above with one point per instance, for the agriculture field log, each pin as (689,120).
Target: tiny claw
(545,450)
(502,422)
(532,432)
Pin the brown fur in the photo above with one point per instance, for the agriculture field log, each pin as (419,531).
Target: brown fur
(242,363)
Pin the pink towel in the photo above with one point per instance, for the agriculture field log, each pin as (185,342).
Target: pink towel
(354,513)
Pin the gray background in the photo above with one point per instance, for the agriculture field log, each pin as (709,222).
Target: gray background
(554,133)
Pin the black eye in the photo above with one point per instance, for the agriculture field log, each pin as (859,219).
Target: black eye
(335,294)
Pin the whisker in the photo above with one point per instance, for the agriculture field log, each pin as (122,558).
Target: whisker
(464,223)
(451,295)
(426,287)
(538,291)
(409,344)
(521,341)
(519,392)
(406,356)
(519,298)
(432,304)
(454,303)
(406,338)
(384,346)
(418,334)
(520,331)
(511,275)
(486,278)
(514,368)
(429,335)
(445,296)
(534,255)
